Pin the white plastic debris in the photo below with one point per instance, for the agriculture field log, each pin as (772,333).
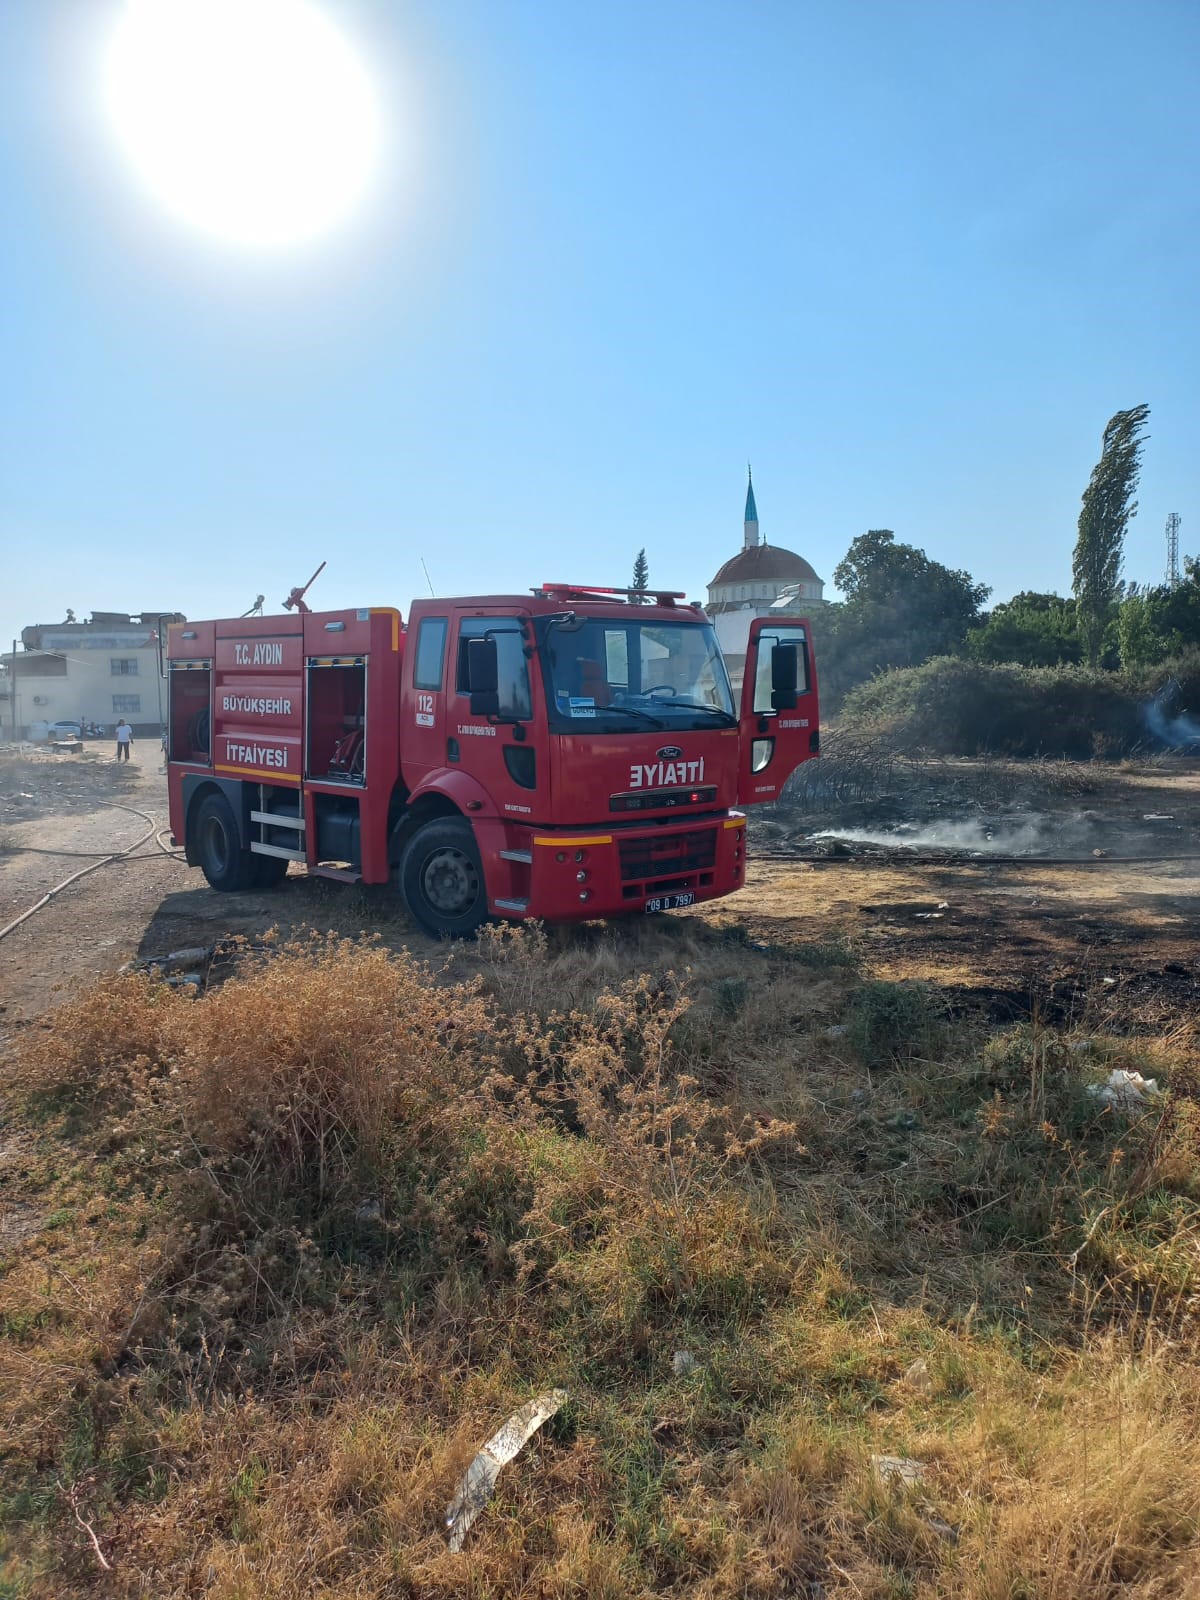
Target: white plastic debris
(187,958)
(480,1479)
(683,1362)
(1124,1091)
(898,1469)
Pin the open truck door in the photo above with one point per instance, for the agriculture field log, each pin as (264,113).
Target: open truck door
(780,724)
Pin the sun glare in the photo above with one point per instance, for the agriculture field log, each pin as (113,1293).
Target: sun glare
(254,121)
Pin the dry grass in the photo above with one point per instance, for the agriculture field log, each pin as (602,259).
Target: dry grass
(309,1239)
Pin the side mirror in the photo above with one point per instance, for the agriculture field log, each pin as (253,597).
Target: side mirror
(785,676)
(483,677)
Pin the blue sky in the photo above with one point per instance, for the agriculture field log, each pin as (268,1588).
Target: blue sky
(906,258)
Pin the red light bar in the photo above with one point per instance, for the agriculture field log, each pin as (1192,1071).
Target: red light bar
(662,596)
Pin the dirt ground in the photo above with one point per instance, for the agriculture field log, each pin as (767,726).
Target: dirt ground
(1093,937)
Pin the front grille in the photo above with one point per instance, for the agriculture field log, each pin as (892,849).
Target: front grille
(662,799)
(670,855)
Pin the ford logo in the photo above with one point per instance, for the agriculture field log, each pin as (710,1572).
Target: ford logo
(669,752)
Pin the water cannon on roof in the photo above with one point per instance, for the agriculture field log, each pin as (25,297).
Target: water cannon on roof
(295,600)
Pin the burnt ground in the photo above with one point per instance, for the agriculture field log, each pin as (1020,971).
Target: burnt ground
(1066,891)
(1091,940)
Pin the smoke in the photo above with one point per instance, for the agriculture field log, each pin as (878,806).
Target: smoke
(1168,721)
(1011,836)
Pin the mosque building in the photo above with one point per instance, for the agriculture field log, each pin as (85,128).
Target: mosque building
(762,580)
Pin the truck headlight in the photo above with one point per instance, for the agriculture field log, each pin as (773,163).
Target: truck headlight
(761,752)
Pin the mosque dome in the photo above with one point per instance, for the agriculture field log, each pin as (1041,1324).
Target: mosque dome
(762,577)
(766,563)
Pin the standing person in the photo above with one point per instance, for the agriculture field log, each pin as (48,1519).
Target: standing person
(124,739)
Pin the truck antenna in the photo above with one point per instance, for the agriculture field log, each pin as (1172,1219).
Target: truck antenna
(428,579)
(295,601)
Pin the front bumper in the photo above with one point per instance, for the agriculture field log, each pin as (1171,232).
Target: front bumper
(576,873)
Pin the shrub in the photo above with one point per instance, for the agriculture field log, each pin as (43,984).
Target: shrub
(102,1047)
(889,1022)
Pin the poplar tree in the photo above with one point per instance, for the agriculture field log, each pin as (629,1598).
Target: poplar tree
(1108,508)
(641,571)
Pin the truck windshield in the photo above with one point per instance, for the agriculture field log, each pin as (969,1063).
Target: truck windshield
(605,676)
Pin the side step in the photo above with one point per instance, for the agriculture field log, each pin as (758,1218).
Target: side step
(339,874)
(257,849)
(278,819)
(511,905)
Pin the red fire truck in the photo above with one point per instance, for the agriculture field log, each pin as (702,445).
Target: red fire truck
(570,754)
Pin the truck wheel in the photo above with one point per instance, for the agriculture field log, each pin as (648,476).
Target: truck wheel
(441,879)
(222,860)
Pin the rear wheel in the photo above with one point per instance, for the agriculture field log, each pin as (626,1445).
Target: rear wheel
(441,879)
(219,849)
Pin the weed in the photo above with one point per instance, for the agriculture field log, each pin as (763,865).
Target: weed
(354,1209)
(890,1022)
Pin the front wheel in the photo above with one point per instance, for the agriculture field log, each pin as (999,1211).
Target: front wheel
(441,879)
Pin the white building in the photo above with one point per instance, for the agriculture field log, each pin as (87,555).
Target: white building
(94,671)
(761,580)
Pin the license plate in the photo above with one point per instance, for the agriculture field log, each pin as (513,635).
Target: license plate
(670,902)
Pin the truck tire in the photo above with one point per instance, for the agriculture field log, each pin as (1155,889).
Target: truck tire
(441,879)
(223,862)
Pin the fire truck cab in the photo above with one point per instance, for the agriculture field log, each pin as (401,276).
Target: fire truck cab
(569,754)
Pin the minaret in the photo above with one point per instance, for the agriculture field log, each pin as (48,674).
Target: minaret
(751,536)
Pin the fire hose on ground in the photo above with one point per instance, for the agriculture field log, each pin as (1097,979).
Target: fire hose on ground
(128,854)
(896,857)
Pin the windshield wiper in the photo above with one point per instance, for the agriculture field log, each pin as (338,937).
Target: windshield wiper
(630,711)
(694,705)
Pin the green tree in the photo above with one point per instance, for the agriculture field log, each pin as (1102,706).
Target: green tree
(900,609)
(1108,506)
(641,571)
(1135,632)
(1157,623)
(1030,630)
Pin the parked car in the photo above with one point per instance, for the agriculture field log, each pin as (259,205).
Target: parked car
(65,730)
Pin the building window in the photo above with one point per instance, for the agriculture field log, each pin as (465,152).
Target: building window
(125,704)
(123,666)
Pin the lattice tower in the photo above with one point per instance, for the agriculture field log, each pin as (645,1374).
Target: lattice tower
(1173,522)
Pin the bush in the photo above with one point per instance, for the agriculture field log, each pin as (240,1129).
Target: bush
(953,707)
